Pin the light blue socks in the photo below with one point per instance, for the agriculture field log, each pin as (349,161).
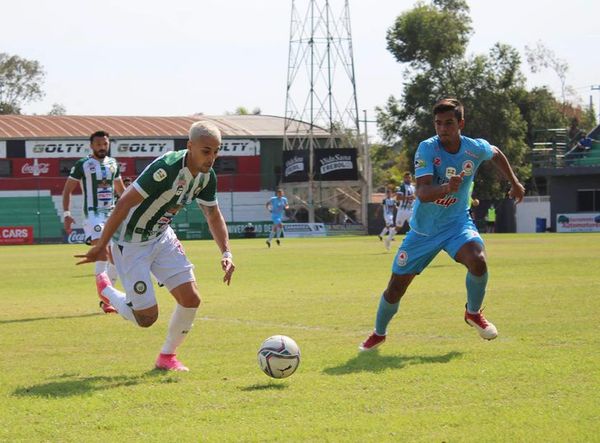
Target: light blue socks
(385,312)
(475,291)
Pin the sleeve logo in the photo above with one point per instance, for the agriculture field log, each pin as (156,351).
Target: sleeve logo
(159,175)
(420,163)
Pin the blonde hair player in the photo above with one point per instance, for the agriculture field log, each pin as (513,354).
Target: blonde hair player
(144,242)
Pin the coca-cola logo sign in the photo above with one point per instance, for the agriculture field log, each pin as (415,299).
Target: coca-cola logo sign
(76,236)
(30,168)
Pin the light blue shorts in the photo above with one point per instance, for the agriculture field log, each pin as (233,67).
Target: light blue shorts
(276,219)
(417,250)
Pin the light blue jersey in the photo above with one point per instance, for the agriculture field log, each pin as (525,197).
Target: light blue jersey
(277,208)
(432,159)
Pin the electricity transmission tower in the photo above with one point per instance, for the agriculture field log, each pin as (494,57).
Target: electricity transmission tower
(321,107)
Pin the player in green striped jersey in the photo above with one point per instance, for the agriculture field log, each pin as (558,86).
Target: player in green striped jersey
(100,178)
(144,243)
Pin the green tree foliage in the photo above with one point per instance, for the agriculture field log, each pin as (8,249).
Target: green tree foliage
(431,40)
(430,33)
(20,82)
(58,109)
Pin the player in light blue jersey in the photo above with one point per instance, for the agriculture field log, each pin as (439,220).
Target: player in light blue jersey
(277,206)
(445,166)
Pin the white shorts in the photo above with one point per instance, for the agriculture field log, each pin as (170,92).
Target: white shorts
(403,215)
(389,219)
(93,226)
(164,258)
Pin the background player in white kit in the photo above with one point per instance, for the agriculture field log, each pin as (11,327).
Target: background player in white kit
(99,177)
(388,205)
(144,242)
(405,196)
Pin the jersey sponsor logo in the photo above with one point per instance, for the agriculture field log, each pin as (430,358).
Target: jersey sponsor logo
(402,258)
(159,175)
(105,195)
(437,161)
(468,167)
(420,163)
(139,287)
(447,201)
(450,172)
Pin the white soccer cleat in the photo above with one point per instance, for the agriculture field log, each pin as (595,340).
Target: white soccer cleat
(485,329)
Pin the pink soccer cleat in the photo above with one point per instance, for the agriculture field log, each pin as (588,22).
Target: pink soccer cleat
(102,282)
(485,329)
(169,362)
(372,342)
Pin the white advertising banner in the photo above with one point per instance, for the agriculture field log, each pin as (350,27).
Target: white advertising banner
(239,148)
(56,148)
(293,230)
(2,149)
(580,222)
(140,148)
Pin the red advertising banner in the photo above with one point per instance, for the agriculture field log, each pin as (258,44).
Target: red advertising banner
(28,167)
(16,235)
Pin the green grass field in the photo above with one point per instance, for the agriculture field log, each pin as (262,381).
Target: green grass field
(70,373)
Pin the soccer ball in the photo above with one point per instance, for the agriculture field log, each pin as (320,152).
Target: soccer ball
(279,356)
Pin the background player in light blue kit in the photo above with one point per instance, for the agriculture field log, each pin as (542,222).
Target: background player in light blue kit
(445,166)
(277,206)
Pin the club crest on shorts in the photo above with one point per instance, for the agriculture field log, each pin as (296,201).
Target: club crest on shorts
(139,287)
(467,166)
(402,258)
(97,228)
(472,233)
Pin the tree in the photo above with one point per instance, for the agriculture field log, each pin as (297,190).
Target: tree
(58,109)
(20,82)
(429,34)
(488,85)
(540,57)
(242,110)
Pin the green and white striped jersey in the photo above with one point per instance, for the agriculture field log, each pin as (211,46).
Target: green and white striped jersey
(166,185)
(406,190)
(96,178)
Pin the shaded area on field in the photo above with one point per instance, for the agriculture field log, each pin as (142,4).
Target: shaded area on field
(72,384)
(58,317)
(374,362)
(264,387)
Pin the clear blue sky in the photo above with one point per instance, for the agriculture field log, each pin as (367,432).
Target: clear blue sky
(134,57)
